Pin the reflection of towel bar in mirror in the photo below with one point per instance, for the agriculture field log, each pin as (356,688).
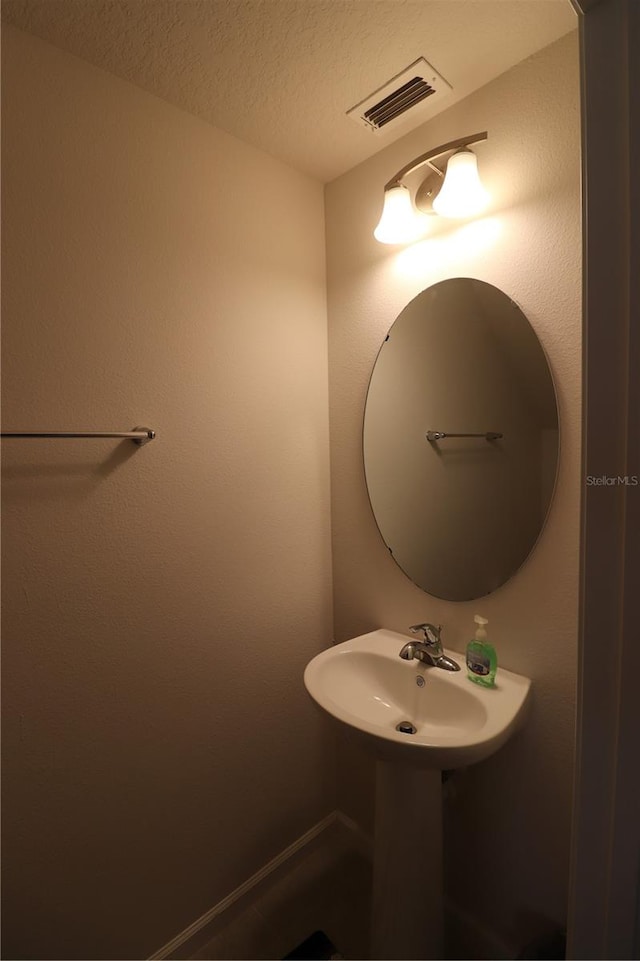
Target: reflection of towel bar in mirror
(440,435)
(139,435)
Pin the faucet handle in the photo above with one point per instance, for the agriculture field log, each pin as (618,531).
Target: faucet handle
(431,633)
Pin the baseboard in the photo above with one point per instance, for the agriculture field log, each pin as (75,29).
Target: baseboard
(467,936)
(196,934)
(360,841)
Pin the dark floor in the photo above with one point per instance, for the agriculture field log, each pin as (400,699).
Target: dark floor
(317,947)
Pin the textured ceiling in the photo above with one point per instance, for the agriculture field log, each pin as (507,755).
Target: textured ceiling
(280,74)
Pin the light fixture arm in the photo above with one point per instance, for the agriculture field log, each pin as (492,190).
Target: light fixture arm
(426,158)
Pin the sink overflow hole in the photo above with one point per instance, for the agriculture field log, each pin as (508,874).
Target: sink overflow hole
(406,727)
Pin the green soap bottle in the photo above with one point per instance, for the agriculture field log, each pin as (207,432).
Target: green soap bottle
(482,660)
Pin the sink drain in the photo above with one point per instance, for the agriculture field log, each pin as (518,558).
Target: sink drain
(406,727)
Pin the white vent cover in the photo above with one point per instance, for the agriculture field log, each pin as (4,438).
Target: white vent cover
(413,89)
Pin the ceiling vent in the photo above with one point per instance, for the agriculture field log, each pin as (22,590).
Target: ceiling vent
(416,87)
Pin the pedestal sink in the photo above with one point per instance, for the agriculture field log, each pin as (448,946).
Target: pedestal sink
(418,721)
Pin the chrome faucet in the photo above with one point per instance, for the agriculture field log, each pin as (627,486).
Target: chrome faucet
(429,650)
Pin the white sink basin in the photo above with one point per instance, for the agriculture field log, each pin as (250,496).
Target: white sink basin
(366,685)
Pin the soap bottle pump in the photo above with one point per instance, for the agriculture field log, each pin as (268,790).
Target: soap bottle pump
(482,660)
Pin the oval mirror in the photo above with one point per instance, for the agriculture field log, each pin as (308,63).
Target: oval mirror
(460,439)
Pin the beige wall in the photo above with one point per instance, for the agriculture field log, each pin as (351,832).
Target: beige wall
(160,603)
(508,832)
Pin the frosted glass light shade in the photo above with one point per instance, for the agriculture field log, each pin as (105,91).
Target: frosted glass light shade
(399,223)
(462,193)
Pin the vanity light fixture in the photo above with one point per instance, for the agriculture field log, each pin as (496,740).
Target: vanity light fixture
(455,191)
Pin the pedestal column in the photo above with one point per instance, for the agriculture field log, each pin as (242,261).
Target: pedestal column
(407,866)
